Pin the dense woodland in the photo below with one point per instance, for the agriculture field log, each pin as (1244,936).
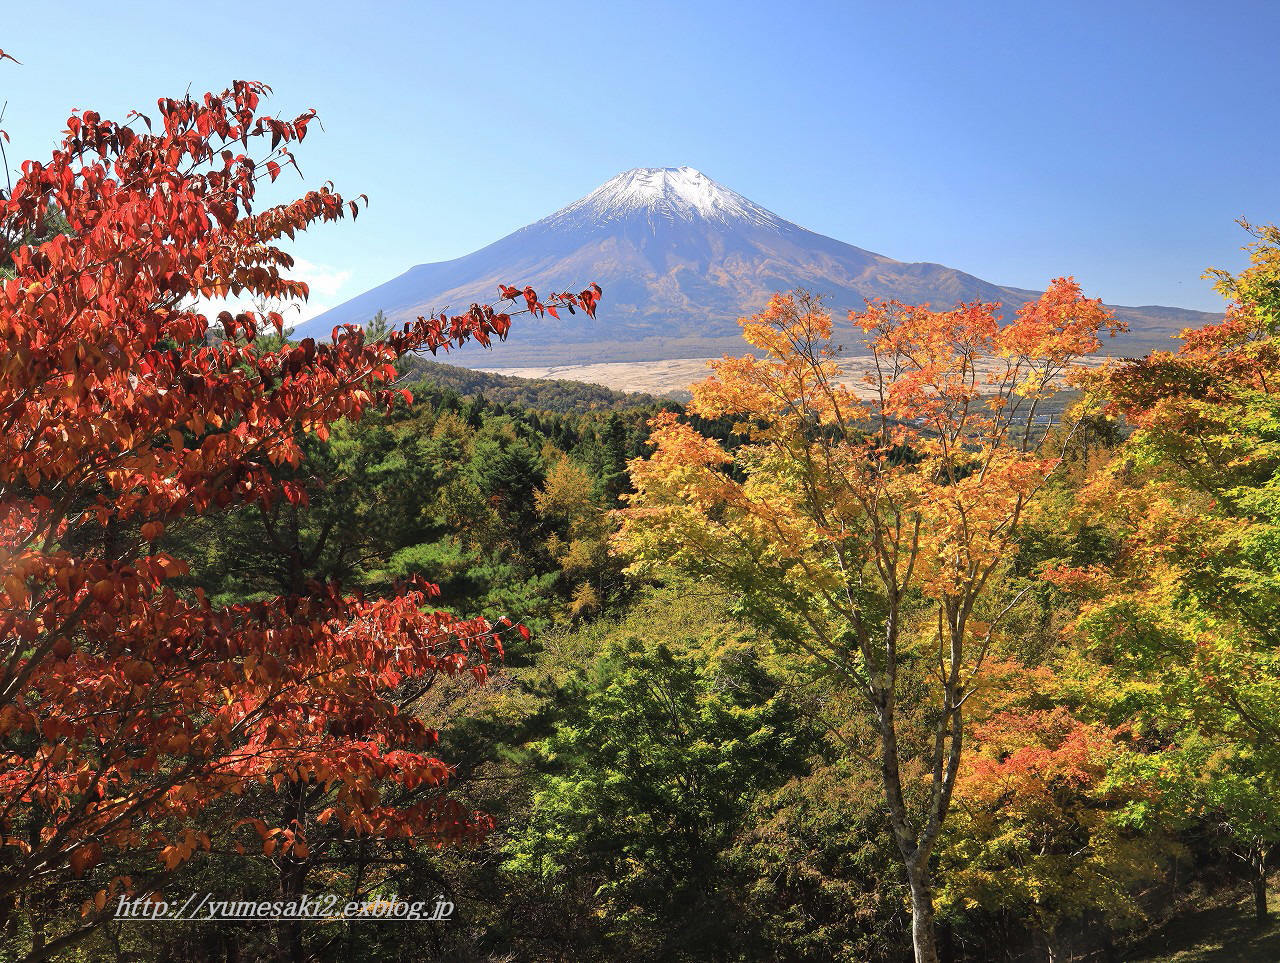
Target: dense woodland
(797,670)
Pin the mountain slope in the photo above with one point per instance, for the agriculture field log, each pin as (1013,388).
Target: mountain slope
(680,258)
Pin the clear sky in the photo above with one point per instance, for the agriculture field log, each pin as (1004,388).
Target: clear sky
(1116,141)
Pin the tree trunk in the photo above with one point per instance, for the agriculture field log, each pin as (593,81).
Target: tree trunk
(293,875)
(1050,949)
(922,927)
(946,943)
(1260,885)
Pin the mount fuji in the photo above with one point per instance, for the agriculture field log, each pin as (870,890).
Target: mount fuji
(681,258)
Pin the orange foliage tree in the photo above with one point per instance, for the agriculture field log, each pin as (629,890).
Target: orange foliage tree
(1187,608)
(1043,828)
(127,702)
(865,523)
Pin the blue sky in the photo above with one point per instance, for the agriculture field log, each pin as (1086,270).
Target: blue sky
(1017,141)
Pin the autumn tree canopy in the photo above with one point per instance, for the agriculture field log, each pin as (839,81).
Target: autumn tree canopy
(864,523)
(1187,606)
(127,701)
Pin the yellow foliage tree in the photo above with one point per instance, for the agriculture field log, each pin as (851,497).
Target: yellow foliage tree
(864,521)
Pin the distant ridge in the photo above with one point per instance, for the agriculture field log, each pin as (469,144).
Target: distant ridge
(681,258)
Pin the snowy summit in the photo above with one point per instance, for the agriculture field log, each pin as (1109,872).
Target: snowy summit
(678,193)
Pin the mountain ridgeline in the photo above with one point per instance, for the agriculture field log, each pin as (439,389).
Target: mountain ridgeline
(681,258)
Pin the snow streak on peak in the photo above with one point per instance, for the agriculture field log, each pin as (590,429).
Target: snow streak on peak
(675,193)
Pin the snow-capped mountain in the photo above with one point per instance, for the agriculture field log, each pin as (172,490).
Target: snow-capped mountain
(681,258)
(673,193)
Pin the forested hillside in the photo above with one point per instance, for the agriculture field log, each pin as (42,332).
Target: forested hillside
(537,393)
(977,660)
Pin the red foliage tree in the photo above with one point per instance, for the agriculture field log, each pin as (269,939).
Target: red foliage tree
(127,703)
